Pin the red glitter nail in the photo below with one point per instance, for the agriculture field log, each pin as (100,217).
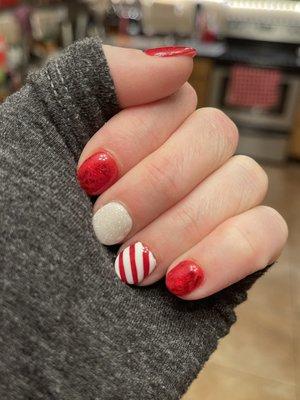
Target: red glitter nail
(172,51)
(184,278)
(97,173)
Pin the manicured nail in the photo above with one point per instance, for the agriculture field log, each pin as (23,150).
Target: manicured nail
(134,263)
(97,173)
(184,278)
(171,51)
(112,223)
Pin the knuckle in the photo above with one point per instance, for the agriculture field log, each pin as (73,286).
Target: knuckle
(189,223)
(253,239)
(186,99)
(222,122)
(221,127)
(245,243)
(136,118)
(247,246)
(277,219)
(162,178)
(253,174)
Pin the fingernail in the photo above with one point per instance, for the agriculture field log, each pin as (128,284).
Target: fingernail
(184,278)
(112,223)
(171,51)
(98,173)
(134,263)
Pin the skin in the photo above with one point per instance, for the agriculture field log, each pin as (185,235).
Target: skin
(189,196)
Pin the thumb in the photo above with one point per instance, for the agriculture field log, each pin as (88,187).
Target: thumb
(76,93)
(140,78)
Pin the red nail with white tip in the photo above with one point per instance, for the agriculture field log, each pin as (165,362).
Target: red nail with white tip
(134,263)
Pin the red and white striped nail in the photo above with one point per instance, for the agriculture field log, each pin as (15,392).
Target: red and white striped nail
(134,263)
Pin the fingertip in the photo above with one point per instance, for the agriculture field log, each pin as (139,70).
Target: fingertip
(140,78)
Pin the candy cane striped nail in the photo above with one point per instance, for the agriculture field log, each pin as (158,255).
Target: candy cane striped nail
(134,263)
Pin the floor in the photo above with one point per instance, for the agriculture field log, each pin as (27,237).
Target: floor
(260,358)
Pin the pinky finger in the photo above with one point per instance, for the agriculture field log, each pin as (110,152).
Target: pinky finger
(240,246)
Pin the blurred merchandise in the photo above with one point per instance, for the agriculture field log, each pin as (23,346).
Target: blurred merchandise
(271,20)
(264,35)
(46,27)
(211,25)
(253,87)
(8,3)
(10,28)
(33,31)
(169,17)
(258,124)
(13,55)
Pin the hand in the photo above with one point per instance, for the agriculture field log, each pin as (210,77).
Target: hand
(172,190)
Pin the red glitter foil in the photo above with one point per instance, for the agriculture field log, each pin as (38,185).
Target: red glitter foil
(97,173)
(184,278)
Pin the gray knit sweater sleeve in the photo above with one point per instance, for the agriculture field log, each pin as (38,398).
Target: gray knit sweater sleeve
(69,329)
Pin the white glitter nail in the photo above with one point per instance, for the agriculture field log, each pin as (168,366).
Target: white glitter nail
(112,223)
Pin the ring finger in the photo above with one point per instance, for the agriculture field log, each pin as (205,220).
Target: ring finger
(237,186)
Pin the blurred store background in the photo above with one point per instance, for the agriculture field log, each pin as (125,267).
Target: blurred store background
(248,53)
(248,64)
